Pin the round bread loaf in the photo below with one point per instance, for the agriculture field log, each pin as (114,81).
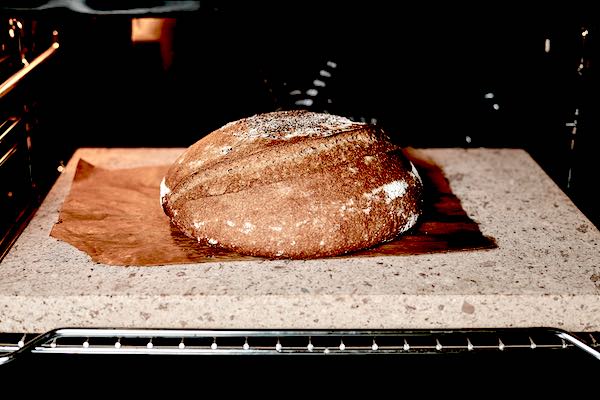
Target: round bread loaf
(293,184)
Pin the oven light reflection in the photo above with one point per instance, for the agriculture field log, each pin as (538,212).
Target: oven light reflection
(304,102)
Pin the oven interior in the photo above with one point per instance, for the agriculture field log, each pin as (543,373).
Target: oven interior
(166,73)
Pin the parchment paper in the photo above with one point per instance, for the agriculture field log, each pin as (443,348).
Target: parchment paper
(115,216)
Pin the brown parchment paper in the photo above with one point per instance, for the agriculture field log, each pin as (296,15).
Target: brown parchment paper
(115,216)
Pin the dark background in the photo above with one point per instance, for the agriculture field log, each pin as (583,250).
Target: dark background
(425,73)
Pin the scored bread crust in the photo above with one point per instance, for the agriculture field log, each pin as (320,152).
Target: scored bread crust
(293,184)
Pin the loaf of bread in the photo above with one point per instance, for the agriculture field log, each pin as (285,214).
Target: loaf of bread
(293,184)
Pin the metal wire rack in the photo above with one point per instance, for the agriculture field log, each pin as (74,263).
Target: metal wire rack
(83,341)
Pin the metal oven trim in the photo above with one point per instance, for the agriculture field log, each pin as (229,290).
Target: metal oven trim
(117,341)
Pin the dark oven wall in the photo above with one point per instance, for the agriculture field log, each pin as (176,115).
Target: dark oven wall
(30,149)
(431,76)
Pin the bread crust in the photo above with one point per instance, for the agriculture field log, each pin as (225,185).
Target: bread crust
(293,184)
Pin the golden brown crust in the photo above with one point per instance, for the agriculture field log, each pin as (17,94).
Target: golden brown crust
(293,184)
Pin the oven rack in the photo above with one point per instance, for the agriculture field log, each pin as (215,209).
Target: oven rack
(114,341)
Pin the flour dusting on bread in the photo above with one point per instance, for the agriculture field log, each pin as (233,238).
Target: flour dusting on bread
(164,191)
(292,124)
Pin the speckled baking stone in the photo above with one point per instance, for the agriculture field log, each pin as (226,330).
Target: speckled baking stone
(545,271)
